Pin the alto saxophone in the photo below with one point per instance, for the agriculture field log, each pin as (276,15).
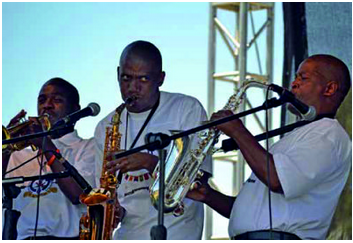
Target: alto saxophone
(183,162)
(102,203)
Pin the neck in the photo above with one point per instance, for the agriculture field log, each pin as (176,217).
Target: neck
(147,108)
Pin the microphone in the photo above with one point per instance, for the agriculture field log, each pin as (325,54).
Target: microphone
(92,109)
(161,140)
(307,112)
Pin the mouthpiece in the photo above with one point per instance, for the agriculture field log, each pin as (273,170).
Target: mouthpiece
(129,100)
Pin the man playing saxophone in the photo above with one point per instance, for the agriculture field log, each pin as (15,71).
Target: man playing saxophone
(140,76)
(308,167)
(59,212)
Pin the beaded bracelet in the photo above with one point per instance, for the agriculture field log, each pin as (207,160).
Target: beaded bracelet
(52,158)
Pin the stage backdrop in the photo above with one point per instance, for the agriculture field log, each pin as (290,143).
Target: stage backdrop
(322,28)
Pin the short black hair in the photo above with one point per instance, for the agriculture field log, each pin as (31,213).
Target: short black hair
(70,91)
(340,69)
(146,50)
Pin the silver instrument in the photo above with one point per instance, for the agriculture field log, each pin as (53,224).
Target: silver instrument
(186,156)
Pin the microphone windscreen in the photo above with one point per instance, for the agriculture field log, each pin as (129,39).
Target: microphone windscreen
(95,108)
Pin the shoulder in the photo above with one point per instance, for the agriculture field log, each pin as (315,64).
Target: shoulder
(180,99)
(324,131)
(328,127)
(103,123)
(88,143)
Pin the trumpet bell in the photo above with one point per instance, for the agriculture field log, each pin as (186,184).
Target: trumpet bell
(16,130)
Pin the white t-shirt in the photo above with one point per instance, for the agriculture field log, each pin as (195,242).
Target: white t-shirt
(175,112)
(57,215)
(313,164)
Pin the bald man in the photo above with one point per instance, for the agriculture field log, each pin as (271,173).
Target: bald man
(308,166)
(148,109)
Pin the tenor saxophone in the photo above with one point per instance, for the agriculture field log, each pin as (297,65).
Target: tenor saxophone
(102,203)
(184,159)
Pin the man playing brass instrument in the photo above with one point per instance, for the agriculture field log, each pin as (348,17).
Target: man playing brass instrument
(308,166)
(148,110)
(59,213)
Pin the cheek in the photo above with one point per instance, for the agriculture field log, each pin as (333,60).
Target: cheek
(62,110)
(123,88)
(39,109)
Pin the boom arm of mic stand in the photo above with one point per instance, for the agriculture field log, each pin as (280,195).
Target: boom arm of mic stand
(51,132)
(21,179)
(230,144)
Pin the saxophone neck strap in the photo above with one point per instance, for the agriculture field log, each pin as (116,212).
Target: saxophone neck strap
(153,110)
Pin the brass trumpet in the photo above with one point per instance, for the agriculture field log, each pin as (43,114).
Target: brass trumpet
(15,131)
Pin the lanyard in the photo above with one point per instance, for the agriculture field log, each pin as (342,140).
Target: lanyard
(154,108)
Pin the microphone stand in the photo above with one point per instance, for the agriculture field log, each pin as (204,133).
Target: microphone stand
(11,192)
(159,232)
(55,132)
(11,216)
(229,144)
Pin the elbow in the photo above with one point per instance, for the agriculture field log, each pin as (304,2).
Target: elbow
(276,187)
(75,201)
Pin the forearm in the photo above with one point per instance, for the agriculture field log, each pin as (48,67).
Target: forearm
(219,202)
(256,157)
(5,162)
(151,163)
(67,185)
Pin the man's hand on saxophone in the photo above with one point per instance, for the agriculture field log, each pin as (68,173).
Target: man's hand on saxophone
(230,127)
(132,162)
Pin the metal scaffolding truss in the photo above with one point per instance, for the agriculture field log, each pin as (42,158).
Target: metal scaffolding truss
(250,48)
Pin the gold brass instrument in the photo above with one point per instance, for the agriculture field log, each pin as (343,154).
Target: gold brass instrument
(186,156)
(98,223)
(15,131)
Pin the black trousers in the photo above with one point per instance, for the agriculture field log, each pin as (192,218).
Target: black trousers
(49,237)
(266,235)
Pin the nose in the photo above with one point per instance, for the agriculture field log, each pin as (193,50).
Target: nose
(48,104)
(295,84)
(134,86)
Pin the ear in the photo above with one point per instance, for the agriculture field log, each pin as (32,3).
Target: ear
(161,79)
(331,88)
(76,107)
(118,72)
(72,108)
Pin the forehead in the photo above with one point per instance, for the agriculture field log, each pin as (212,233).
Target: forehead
(314,69)
(308,66)
(51,90)
(135,63)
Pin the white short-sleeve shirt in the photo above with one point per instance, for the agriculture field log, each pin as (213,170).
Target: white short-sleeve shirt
(313,164)
(57,215)
(175,112)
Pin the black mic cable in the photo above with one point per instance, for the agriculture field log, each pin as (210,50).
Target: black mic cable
(268,162)
(41,160)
